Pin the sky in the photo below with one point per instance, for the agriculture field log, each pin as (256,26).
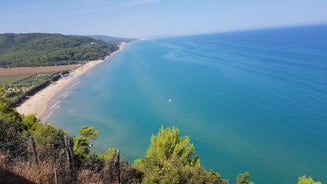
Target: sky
(147,18)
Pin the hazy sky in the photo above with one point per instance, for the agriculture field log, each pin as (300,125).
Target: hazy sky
(143,18)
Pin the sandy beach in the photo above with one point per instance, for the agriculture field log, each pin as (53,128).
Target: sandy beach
(38,103)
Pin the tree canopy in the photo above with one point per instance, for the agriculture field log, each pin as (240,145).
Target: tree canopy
(307,180)
(243,178)
(170,158)
(81,143)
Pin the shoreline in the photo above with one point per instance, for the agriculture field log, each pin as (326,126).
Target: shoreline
(38,103)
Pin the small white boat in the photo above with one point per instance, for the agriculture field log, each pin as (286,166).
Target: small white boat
(170,100)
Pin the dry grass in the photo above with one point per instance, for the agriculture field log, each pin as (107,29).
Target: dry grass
(56,172)
(26,71)
(89,177)
(9,177)
(43,174)
(47,172)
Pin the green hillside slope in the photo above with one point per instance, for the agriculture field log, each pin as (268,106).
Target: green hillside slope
(40,49)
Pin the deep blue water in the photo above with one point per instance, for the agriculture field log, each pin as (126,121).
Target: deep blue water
(250,101)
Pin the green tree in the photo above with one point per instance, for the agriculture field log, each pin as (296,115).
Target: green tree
(45,134)
(88,133)
(170,158)
(243,178)
(108,156)
(108,160)
(307,180)
(9,115)
(29,121)
(81,144)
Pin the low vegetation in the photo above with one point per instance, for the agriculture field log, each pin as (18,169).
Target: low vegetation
(19,90)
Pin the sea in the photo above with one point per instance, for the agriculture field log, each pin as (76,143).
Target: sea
(251,101)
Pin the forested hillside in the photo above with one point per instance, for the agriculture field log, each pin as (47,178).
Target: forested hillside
(40,49)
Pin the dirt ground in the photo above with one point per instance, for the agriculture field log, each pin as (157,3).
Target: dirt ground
(25,71)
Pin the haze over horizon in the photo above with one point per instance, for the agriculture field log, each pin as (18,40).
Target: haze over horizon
(147,18)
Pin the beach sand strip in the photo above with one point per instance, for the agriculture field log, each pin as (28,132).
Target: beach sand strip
(38,103)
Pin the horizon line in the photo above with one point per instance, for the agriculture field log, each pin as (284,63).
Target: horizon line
(180,34)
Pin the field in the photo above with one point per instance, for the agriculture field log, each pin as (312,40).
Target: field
(27,71)
(9,80)
(19,83)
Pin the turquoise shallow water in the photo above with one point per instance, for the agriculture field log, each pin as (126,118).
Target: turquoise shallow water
(250,101)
